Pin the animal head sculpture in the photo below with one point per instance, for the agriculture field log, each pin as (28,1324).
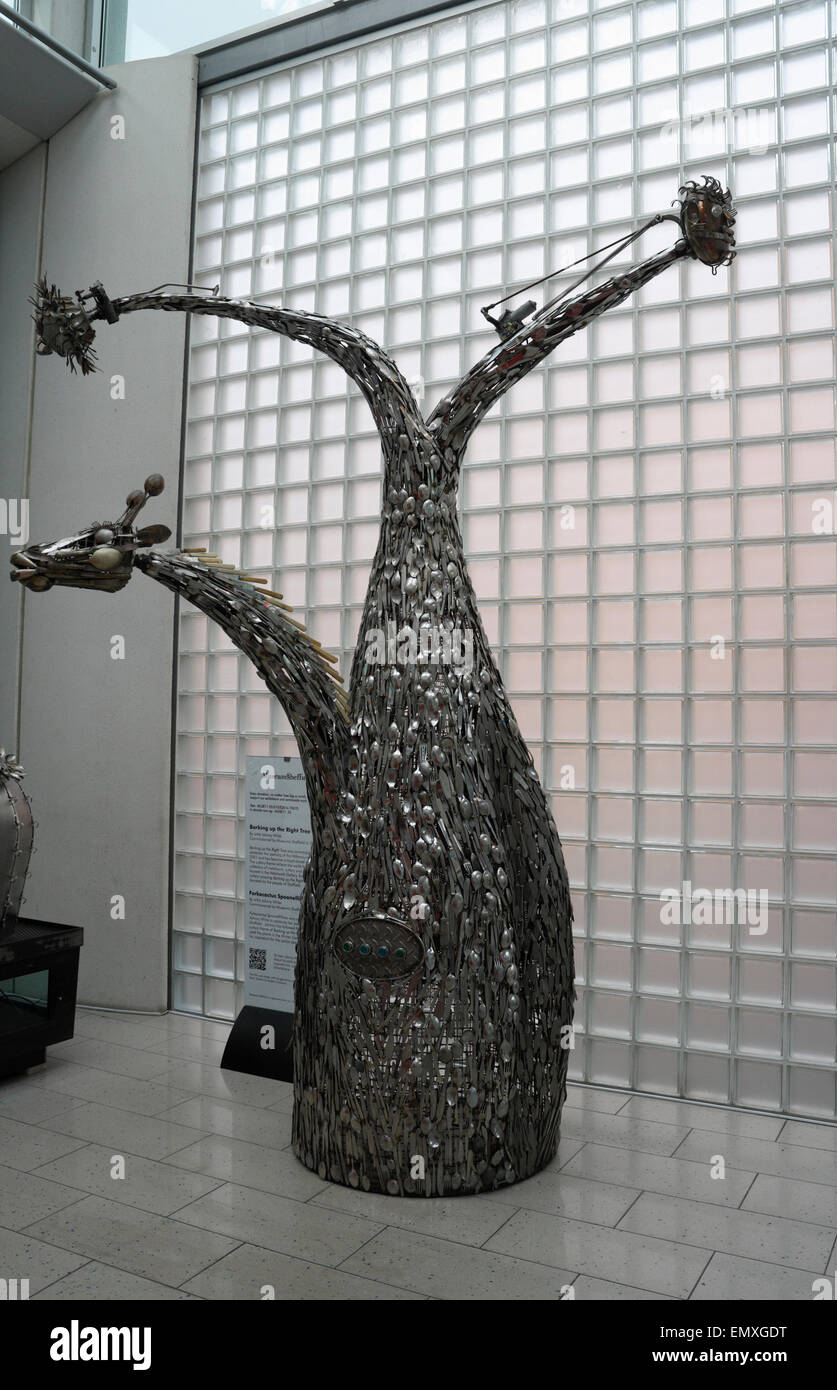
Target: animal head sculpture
(434,982)
(99,556)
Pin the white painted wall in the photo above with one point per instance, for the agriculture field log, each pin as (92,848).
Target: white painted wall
(96,733)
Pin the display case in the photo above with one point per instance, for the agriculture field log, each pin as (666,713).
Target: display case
(38,979)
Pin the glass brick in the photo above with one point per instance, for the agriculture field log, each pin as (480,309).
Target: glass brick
(710,480)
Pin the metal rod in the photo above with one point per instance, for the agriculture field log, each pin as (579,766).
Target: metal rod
(59,48)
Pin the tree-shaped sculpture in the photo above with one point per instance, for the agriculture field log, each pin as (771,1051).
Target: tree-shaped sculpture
(434,978)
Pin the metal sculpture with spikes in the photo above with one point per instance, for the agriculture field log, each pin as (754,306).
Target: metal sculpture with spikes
(17,830)
(434,981)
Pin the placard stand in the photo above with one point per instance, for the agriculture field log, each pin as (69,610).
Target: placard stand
(277,849)
(249,1047)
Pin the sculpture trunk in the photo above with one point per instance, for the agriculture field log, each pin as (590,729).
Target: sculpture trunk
(452,1078)
(421,1003)
(434,981)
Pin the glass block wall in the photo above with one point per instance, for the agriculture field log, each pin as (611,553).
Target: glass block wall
(650,517)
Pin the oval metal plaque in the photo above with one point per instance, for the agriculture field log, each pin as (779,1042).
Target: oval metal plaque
(378,948)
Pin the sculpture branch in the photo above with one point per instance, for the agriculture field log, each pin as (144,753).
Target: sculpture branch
(458,414)
(292,664)
(706,218)
(66,328)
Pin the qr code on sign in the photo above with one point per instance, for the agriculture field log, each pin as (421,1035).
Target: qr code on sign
(258,959)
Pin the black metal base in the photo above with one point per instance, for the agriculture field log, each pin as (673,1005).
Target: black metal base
(260,1044)
(31,1020)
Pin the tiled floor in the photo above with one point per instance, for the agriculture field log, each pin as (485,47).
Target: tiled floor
(213,1204)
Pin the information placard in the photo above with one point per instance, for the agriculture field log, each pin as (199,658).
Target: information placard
(278,846)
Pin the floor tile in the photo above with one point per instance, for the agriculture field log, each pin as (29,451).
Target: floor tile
(645,1135)
(249,1269)
(206,1080)
(470,1220)
(123,1092)
(166,1251)
(28,1146)
(707,1117)
(565,1194)
(761,1156)
(810,1136)
(164,1025)
(27,1197)
(753,1235)
(41,1262)
(157,1023)
(127,1032)
(25,1100)
(587,1288)
(149,1185)
(278,1223)
(728,1277)
(140,1019)
(250,1165)
(286,1097)
(96,1282)
(110,1057)
(802,1201)
(443,1269)
(663,1266)
(206,1027)
(676,1177)
(245,1122)
(147,1135)
(592,1098)
(188,1047)
(565,1151)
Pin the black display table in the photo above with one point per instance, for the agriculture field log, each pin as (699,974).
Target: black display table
(38,979)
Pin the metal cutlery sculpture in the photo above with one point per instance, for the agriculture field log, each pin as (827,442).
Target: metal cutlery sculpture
(16,833)
(434,979)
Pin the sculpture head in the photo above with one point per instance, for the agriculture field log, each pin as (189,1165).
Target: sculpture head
(100,556)
(64,325)
(707,217)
